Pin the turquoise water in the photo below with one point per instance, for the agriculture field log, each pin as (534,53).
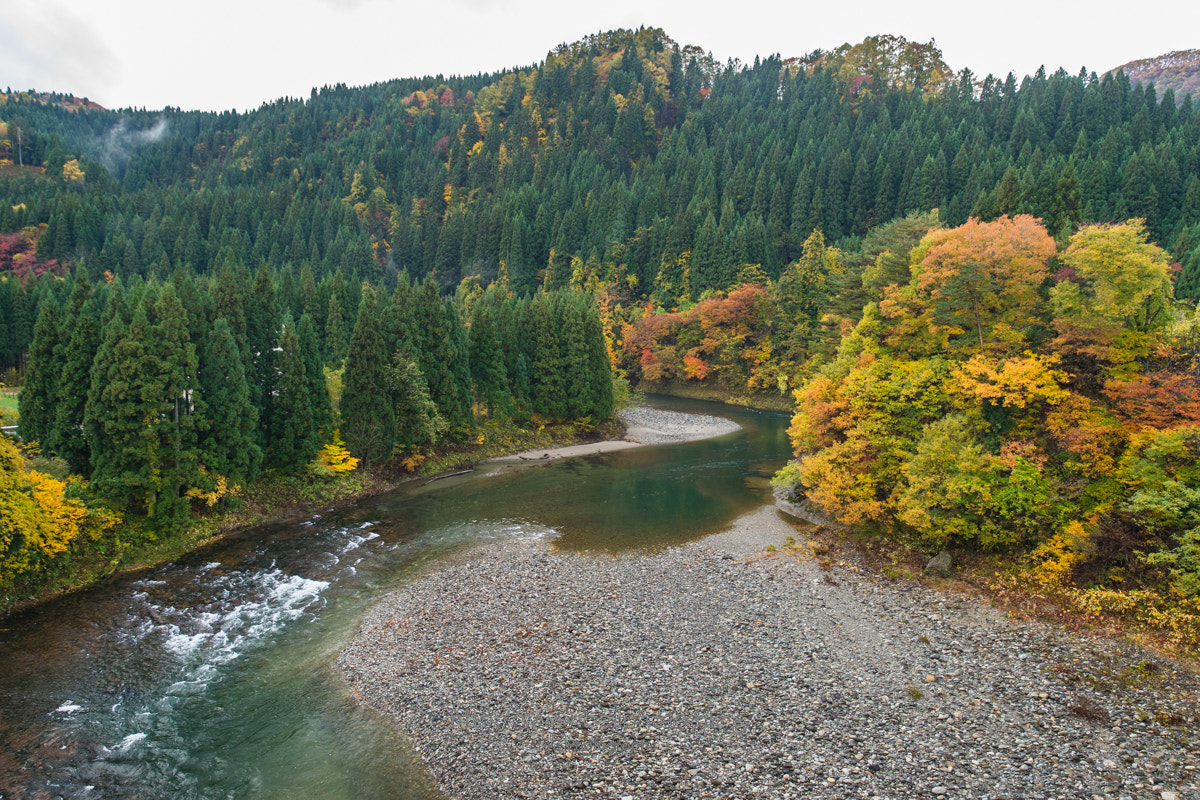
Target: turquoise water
(213,677)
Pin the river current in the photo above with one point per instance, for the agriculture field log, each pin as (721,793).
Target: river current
(213,677)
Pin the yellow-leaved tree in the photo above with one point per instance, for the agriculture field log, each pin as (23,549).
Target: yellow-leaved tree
(37,519)
(335,459)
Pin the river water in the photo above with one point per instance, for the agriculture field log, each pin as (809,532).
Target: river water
(213,677)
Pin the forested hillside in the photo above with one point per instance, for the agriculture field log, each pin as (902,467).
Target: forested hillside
(991,266)
(1178,71)
(622,160)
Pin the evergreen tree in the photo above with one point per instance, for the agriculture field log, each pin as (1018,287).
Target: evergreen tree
(487,361)
(38,403)
(368,423)
(314,373)
(69,440)
(227,440)
(127,414)
(335,332)
(294,440)
(548,390)
(113,324)
(262,333)
(577,377)
(600,391)
(455,352)
(442,354)
(175,454)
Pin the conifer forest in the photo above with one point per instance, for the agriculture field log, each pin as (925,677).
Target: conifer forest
(979,294)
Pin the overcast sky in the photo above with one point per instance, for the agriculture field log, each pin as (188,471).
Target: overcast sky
(224,54)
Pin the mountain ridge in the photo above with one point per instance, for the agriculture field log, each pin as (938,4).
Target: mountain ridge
(1178,71)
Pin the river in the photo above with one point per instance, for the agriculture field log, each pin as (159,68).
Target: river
(213,678)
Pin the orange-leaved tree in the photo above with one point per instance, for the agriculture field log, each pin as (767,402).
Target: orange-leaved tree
(977,284)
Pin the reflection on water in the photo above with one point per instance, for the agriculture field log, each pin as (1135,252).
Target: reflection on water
(212,678)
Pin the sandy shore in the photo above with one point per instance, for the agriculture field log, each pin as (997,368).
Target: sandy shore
(643,425)
(715,670)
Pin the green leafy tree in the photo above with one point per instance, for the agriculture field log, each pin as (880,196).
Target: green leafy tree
(979,282)
(417,419)
(801,294)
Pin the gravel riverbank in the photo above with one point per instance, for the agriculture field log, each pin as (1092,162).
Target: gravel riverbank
(646,425)
(643,425)
(712,670)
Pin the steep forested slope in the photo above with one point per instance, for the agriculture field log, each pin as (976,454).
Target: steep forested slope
(615,156)
(1178,71)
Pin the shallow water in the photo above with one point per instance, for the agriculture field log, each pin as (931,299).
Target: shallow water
(212,677)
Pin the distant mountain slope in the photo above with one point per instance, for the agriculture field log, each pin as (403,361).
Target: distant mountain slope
(624,157)
(1179,71)
(68,102)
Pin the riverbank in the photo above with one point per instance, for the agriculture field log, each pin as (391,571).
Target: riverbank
(689,390)
(718,670)
(275,499)
(643,425)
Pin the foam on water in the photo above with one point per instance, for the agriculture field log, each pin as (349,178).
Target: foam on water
(246,608)
(357,541)
(129,741)
(494,529)
(192,630)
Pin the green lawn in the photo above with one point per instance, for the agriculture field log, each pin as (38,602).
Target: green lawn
(8,408)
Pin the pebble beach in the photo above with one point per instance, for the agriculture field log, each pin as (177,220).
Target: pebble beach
(722,669)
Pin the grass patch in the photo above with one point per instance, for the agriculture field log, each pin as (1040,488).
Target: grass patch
(8,407)
(132,546)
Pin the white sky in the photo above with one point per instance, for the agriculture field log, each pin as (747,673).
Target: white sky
(221,54)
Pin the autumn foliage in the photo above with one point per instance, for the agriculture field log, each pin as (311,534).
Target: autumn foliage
(18,254)
(724,339)
(1007,396)
(39,519)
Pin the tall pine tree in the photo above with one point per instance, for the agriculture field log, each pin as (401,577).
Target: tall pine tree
(368,423)
(69,440)
(228,444)
(294,441)
(38,403)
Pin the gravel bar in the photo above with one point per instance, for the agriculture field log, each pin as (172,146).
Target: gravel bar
(646,425)
(716,670)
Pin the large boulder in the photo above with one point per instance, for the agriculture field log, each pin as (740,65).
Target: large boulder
(940,564)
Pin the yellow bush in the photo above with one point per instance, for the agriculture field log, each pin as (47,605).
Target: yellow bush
(335,457)
(37,518)
(1057,556)
(219,487)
